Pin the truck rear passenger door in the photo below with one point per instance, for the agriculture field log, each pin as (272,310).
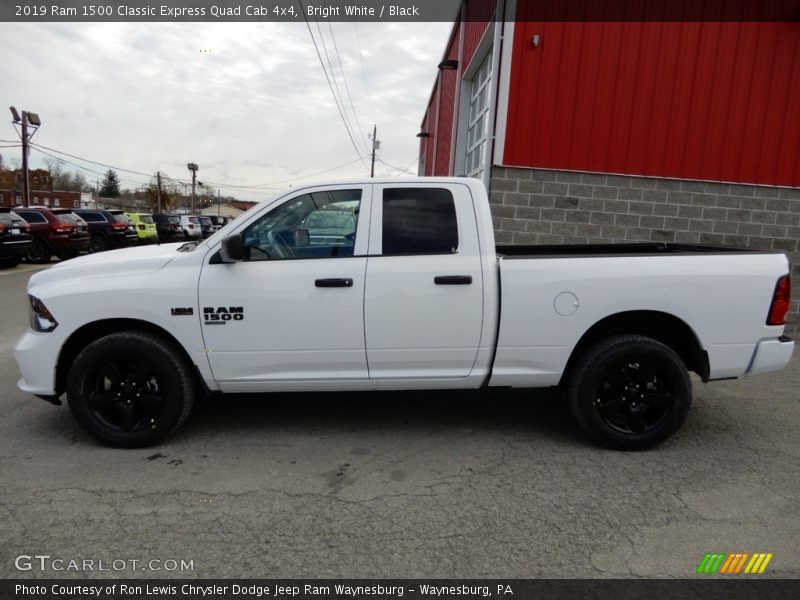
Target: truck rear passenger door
(423,305)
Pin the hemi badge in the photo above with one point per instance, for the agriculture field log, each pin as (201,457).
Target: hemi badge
(182,312)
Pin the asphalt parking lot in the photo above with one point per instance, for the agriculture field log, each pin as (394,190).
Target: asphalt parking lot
(401,485)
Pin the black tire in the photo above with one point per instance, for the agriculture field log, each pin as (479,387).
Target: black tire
(630,392)
(10,263)
(98,244)
(67,255)
(40,253)
(108,401)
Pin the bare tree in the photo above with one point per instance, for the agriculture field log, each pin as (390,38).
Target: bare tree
(168,191)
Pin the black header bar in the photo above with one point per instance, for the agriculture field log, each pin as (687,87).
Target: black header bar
(170,11)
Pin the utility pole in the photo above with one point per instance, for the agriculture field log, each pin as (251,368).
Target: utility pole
(193,168)
(25,120)
(375,145)
(26,192)
(158,189)
(218,201)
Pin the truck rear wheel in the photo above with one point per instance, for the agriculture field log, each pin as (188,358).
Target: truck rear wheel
(629,392)
(130,389)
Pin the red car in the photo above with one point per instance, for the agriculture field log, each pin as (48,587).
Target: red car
(56,231)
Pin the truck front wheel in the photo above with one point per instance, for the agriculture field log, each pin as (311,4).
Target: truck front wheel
(130,389)
(629,392)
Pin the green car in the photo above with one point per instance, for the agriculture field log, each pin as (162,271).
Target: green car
(145,227)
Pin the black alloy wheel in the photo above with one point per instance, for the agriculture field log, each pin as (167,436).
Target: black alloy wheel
(124,394)
(630,392)
(131,389)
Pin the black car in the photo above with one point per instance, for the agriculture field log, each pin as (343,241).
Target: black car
(107,228)
(15,238)
(168,227)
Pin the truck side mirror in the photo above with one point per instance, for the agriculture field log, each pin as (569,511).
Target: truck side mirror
(232,249)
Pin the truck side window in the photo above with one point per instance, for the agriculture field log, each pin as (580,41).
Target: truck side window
(419,221)
(315,225)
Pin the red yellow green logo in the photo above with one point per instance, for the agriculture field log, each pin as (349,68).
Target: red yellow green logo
(734,563)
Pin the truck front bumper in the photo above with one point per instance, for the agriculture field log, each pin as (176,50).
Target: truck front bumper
(771,355)
(37,357)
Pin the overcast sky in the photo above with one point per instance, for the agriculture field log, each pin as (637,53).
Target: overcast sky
(248,102)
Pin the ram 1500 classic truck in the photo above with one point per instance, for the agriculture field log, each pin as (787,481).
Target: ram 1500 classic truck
(410,293)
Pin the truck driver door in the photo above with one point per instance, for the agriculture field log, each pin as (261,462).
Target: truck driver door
(292,312)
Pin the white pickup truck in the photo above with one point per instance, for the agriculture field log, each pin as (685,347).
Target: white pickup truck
(397,284)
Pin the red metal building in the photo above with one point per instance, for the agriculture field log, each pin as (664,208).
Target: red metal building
(715,101)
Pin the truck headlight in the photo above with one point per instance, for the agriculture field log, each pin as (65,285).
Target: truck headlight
(41,317)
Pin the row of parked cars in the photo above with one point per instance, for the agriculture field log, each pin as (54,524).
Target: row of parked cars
(36,233)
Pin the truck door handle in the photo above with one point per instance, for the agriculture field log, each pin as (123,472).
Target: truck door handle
(342,282)
(452,279)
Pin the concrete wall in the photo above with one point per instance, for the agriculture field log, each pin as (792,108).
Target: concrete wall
(536,206)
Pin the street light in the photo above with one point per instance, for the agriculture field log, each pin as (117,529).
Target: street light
(193,168)
(25,120)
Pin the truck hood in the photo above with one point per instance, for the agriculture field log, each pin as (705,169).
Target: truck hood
(127,261)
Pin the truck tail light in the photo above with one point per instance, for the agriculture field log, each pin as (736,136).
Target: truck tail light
(64,228)
(2,228)
(141,226)
(780,302)
(119,225)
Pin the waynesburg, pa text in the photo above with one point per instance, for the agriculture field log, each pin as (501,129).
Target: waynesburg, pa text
(255,590)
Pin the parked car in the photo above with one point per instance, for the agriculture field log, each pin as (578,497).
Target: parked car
(145,227)
(217,222)
(330,227)
(190,225)
(56,231)
(168,227)
(424,301)
(206,225)
(108,228)
(15,238)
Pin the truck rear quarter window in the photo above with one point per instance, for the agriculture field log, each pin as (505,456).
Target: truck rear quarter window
(419,221)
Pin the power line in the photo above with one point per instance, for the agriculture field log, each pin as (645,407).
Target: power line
(94,162)
(269,185)
(336,85)
(255,187)
(344,79)
(330,86)
(363,72)
(347,164)
(83,168)
(380,160)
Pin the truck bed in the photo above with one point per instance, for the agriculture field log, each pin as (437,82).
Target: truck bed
(723,294)
(639,249)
